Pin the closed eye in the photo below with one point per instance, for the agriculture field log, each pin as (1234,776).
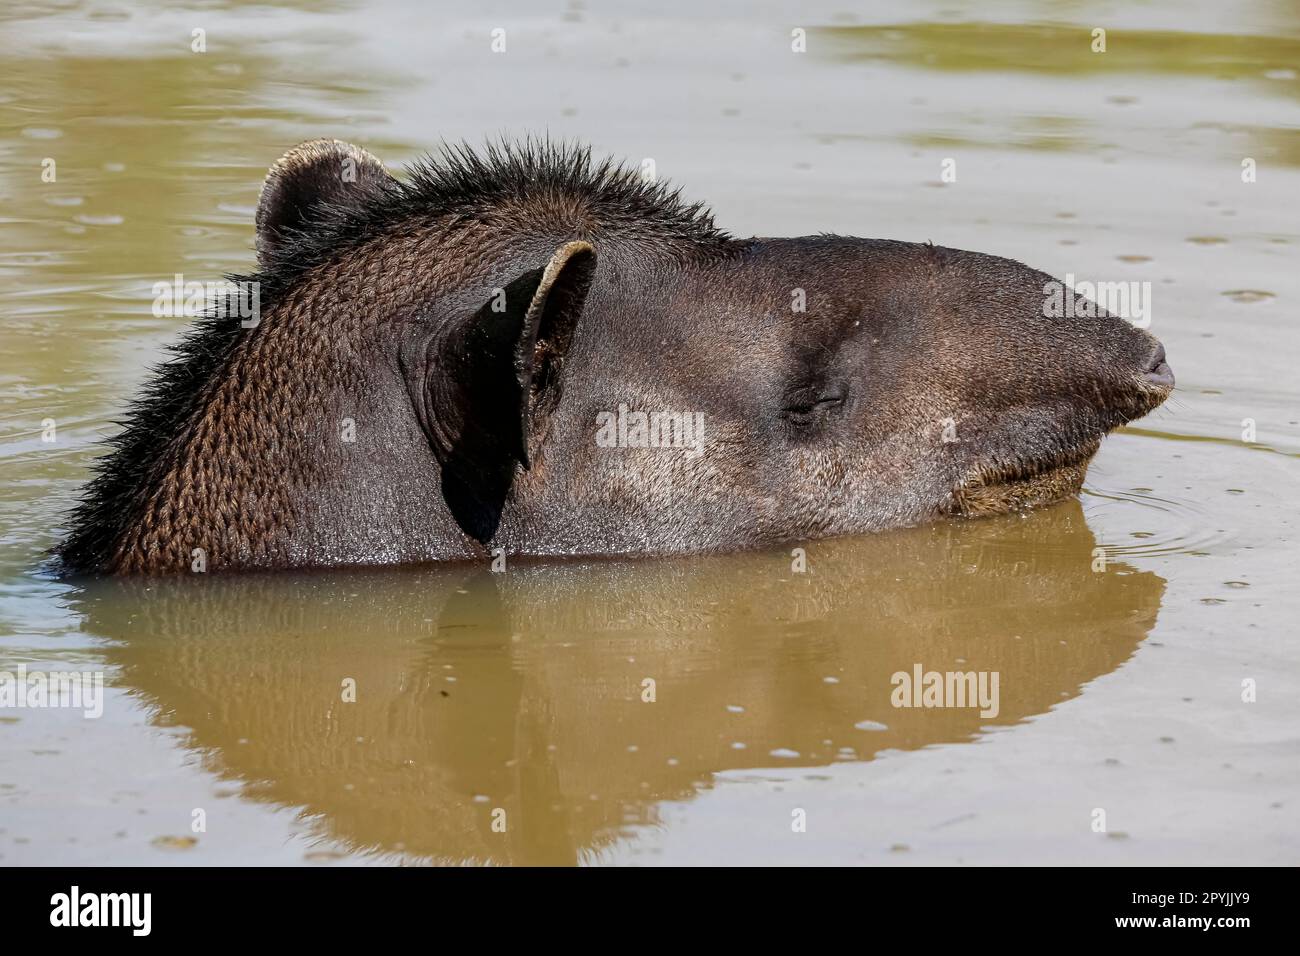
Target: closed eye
(810,407)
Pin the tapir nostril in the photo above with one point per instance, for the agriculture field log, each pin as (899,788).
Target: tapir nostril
(1158,371)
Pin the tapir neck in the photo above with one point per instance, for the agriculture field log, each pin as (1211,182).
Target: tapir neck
(302,450)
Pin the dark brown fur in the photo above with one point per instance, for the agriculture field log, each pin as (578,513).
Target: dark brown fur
(475,426)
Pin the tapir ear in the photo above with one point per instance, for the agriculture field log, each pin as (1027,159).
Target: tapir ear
(305,182)
(495,378)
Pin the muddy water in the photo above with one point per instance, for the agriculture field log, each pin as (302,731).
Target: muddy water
(520,698)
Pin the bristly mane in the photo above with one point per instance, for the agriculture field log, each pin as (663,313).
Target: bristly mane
(458,182)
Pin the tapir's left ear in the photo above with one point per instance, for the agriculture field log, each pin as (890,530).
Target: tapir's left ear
(495,377)
(308,180)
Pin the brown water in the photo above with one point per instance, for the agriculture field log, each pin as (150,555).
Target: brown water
(520,697)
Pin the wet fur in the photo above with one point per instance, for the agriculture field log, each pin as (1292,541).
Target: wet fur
(113,527)
(231,447)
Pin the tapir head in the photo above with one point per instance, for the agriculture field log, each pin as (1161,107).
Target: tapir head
(544,356)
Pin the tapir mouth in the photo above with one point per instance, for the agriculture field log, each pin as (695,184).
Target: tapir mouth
(994,488)
(1019,486)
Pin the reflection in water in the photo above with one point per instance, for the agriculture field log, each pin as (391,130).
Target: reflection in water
(522,691)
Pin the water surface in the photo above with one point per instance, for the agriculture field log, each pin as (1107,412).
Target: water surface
(521,696)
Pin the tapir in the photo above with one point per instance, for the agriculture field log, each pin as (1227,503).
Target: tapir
(520,350)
